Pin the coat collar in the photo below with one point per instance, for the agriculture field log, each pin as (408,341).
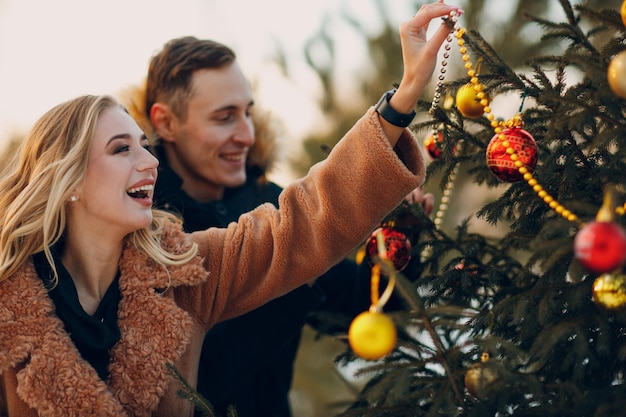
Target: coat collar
(53,378)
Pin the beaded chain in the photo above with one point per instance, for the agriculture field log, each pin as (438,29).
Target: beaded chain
(447,192)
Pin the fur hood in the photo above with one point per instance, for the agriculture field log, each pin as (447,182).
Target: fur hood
(263,155)
(49,373)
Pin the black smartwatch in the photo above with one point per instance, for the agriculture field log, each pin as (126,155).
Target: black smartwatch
(389,114)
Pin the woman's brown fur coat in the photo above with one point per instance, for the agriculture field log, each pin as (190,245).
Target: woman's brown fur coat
(163,316)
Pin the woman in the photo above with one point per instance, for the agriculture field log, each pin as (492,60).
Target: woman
(98,291)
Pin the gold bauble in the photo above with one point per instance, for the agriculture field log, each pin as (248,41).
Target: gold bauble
(623,12)
(372,335)
(482,377)
(468,103)
(609,291)
(616,74)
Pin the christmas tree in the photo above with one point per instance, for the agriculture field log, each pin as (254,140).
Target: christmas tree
(524,314)
(530,320)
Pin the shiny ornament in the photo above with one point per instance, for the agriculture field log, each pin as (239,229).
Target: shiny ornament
(616,74)
(434,147)
(600,246)
(372,335)
(471,269)
(482,378)
(468,101)
(623,12)
(609,291)
(517,141)
(398,247)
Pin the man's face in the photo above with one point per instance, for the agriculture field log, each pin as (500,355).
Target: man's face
(208,149)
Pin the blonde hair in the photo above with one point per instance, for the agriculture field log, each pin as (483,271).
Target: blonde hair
(50,163)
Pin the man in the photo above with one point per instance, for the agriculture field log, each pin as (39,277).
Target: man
(198,108)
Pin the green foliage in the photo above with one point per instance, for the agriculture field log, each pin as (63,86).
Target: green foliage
(189,393)
(520,297)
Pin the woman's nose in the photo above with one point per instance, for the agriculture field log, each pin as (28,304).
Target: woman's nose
(148,161)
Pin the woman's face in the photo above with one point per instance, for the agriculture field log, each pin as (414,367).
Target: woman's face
(116,193)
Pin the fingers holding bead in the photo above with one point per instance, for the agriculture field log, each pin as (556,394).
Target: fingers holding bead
(417,27)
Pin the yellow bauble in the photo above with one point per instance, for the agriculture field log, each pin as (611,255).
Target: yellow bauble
(609,291)
(468,103)
(481,379)
(372,335)
(616,74)
(623,12)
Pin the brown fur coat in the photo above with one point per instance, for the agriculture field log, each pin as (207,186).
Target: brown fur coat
(322,218)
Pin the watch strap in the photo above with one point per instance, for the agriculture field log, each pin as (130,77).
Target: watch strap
(389,114)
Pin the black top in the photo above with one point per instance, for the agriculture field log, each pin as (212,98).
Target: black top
(94,335)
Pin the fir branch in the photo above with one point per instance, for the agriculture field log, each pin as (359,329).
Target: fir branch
(569,12)
(407,291)
(188,393)
(607,19)
(569,31)
(491,59)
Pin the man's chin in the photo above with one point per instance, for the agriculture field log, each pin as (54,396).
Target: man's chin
(236,182)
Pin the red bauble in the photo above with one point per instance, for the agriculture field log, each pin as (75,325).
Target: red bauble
(398,247)
(601,246)
(433,147)
(499,161)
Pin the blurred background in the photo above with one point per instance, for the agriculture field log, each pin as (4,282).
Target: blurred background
(316,65)
(51,51)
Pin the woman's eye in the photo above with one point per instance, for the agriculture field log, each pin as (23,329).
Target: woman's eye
(122,148)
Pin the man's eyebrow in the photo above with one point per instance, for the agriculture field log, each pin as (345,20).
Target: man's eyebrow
(233,107)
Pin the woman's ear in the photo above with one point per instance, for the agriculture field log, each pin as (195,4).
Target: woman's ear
(75,196)
(162,120)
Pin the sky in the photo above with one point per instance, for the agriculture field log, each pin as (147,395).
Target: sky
(51,51)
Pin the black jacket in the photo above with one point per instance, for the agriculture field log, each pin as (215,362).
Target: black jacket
(248,361)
